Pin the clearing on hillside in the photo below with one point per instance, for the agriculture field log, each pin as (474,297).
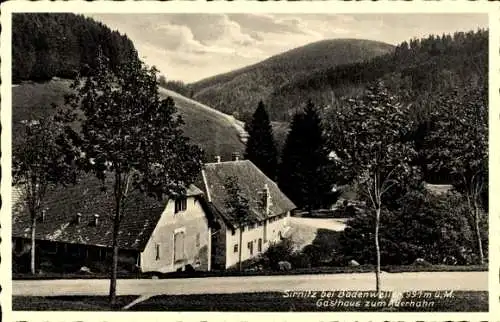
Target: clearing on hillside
(210,129)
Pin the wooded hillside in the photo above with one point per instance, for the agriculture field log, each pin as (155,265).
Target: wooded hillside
(415,69)
(63,45)
(238,92)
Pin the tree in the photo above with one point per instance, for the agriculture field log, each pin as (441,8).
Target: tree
(130,135)
(369,137)
(41,161)
(458,145)
(303,174)
(425,225)
(162,81)
(260,147)
(238,207)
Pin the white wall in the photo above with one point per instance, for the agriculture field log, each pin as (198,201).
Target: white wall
(273,230)
(193,221)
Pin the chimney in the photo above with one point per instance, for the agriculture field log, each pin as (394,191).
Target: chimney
(78,218)
(266,196)
(236,156)
(96,219)
(217,158)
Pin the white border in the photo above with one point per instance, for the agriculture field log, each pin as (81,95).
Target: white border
(233,7)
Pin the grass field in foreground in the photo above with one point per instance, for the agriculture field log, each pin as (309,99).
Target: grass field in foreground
(459,301)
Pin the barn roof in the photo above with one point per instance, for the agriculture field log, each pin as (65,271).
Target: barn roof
(87,199)
(251,181)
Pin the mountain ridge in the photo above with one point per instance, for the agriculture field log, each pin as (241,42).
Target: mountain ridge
(240,90)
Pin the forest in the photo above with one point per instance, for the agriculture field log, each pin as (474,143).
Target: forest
(414,70)
(63,45)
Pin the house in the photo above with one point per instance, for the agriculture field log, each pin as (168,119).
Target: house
(268,217)
(75,229)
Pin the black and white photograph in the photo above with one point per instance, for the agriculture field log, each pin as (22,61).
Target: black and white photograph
(250,162)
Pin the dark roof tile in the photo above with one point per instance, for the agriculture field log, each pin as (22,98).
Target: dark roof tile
(62,205)
(251,181)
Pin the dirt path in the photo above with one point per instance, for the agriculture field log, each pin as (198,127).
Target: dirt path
(304,230)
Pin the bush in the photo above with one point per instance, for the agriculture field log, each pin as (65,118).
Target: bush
(339,260)
(314,253)
(279,251)
(300,260)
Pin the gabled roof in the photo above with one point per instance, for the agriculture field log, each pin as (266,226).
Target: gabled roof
(251,182)
(87,198)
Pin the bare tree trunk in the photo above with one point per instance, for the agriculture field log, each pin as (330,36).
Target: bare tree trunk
(473,207)
(478,233)
(116,229)
(241,246)
(114,266)
(33,236)
(377,248)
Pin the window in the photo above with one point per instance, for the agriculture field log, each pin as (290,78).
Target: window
(259,245)
(157,252)
(179,246)
(198,240)
(180,205)
(235,248)
(250,247)
(233,232)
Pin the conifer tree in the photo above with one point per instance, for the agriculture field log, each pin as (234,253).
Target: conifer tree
(304,175)
(261,148)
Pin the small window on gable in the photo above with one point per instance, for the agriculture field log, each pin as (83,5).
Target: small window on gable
(180,205)
(157,252)
(198,240)
(235,248)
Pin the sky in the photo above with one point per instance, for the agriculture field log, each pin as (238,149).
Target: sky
(190,47)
